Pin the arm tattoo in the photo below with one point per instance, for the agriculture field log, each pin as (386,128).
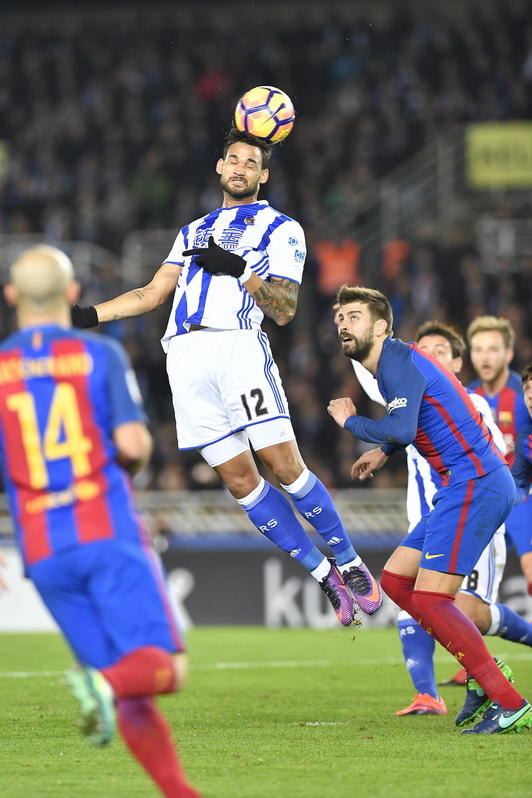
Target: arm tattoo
(277,299)
(136,292)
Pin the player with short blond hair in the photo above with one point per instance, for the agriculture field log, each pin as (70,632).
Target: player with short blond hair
(491,347)
(71,432)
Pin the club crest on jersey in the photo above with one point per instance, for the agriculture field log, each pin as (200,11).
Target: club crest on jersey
(397,402)
(506,418)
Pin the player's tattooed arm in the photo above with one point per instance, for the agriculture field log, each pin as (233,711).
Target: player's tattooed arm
(141,300)
(277,298)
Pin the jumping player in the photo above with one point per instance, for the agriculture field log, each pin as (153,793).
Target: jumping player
(228,269)
(427,406)
(71,428)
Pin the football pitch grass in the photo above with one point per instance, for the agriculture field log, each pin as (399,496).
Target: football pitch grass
(266,713)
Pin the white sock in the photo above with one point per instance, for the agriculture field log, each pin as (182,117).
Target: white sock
(255,493)
(495,619)
(347,565)
(300,482)
(322,570)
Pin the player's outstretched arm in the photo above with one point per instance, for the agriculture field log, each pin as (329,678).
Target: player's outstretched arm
(132,303)
(142,300)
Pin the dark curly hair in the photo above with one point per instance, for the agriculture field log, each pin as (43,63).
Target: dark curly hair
(236,135)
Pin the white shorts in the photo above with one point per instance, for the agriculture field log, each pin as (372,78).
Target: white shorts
(226,385)
(485,578)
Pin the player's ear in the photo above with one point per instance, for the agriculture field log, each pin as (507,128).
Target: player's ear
(264,175)
(73,290)
(457,365)
(220,166)
(10,293)
(381,327)
(510,354)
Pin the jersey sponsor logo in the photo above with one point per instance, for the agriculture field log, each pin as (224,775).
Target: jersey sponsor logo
(506,418)
(397,402)
(230,238)
(299,256)
(249,220)
(82,491)
(431,556)
(293,241)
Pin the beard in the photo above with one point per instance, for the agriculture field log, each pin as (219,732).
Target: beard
(359,349)
(245,192)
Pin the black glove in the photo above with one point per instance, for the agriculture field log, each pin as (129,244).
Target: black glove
(216,260)
(84,317)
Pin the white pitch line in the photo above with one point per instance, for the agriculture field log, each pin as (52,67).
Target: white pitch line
(307,663)
(28,674)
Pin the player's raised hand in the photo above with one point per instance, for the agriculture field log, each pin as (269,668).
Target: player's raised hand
(216,260)
(341,409)
(84,317)
(367,463)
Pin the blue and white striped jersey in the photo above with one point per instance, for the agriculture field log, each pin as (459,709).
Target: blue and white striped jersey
(273,245)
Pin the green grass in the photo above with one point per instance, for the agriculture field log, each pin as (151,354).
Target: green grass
(266,713)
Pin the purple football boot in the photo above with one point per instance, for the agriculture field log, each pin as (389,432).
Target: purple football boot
(340,597)
(364,588)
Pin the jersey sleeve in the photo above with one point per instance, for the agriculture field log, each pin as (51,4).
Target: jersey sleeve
(522,466)
(125,400)
(287,251)
(176,253)
(404,386)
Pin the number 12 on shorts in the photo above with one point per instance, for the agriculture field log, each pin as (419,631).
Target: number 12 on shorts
(256,401)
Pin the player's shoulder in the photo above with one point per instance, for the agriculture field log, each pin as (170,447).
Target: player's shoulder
(514,382)
(525,431)
(279,217)
(99,343)
(11,342)
(395,347)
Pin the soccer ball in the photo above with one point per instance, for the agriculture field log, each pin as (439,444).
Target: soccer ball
(266,113)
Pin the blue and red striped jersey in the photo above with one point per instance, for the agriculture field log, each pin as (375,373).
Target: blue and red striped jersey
(62,393)
(508,408)
(522,467)
(429,407)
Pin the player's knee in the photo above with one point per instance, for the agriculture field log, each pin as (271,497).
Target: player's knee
(180,663)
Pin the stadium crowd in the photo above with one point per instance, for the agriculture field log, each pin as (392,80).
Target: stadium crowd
(114,128)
